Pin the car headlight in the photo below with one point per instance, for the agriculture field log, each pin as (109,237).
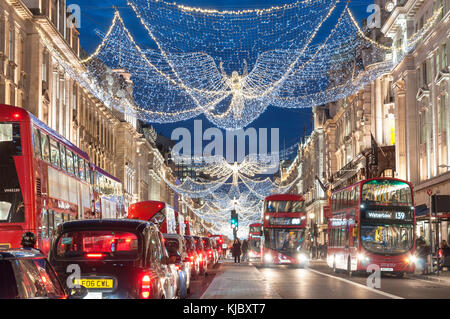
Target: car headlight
(268,258)
(413,259)
(302,258)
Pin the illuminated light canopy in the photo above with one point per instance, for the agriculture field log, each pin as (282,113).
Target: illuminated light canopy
(231,65)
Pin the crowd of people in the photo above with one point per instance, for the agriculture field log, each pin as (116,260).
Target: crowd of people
(238,250)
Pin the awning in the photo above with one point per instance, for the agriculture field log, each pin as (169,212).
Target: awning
(422,210)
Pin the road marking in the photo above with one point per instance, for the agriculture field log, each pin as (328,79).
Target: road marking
(386,294)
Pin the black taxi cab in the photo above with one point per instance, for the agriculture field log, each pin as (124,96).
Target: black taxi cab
(113,259)
(26,274)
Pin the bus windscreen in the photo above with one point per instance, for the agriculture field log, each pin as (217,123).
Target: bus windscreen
(12,209)
(285,206)
(386,192)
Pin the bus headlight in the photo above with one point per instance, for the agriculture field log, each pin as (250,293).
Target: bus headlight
(268,258)
(363,258)
(302,258)
(411,259)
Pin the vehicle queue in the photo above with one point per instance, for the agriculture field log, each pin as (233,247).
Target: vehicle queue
(108,259)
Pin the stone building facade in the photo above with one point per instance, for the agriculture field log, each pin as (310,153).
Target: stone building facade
(421,82)
(38,48)
(398,125)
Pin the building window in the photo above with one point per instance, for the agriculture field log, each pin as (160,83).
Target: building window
(74,102)
(442,115)
(11,45)
(444,56)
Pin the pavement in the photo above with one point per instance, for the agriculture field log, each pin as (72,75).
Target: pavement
(239,281)
(318,281)
(443,278)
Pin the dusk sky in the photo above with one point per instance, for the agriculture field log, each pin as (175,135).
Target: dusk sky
(97,15)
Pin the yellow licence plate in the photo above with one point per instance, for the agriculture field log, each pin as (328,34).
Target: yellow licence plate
(96,283)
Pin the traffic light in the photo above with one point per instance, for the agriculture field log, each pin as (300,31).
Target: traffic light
(234,219)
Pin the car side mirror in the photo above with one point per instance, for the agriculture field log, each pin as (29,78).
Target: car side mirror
(78,293)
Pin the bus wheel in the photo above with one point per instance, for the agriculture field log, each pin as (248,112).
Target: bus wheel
(400,275)
(349,267)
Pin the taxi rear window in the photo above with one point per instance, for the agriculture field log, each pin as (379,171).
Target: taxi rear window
(98,245)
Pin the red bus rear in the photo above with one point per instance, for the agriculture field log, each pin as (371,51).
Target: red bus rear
(372,223)
(254,240)
(45,179)
(156,212)
(284,231)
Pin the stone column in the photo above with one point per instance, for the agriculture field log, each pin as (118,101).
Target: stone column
(400,128)
(34,55)
(412,128)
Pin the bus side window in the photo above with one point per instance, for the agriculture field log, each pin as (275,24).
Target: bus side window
(62,150)
(36,142)
(54,152)
(44,224)
(75,165)
(51,223)
(45,147)
(69,159)
(81,168)
(59,219)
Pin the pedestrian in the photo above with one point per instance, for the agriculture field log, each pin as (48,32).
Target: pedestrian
(244,250)
(237,251)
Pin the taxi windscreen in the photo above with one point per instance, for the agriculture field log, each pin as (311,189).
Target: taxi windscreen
(98,245)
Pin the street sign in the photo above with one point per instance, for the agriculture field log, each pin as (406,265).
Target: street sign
(430,192)
(440,204)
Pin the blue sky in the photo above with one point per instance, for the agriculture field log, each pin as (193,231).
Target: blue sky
(98,15)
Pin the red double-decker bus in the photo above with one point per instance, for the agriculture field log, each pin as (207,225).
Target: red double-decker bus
(284,230)
(157,212)
(372,223)
(254,240)
(45,179)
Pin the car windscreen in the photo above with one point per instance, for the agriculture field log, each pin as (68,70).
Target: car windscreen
(189,244)
(104,244)
(172,245)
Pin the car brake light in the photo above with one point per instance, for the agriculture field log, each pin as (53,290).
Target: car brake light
(95,256)
(145,287)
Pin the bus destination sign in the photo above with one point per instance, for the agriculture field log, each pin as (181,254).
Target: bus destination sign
(388,215)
